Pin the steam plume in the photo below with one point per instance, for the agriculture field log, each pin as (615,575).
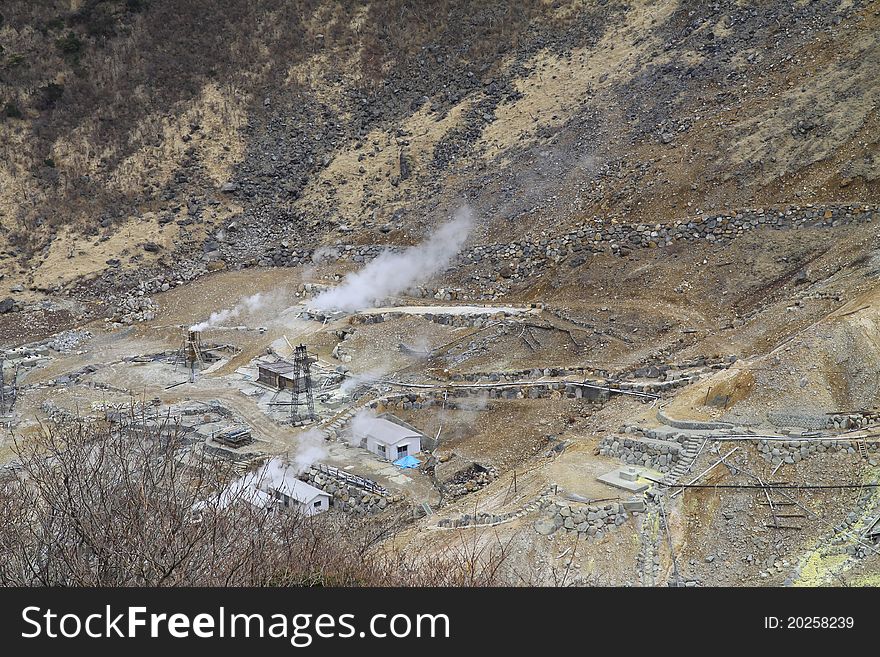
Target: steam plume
(277,472)
(363,421)
(309,450)
(391,273)
(248,305)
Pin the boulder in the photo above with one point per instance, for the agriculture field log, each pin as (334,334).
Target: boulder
(545,526)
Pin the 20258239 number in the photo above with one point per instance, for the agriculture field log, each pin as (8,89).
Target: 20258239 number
(820,622)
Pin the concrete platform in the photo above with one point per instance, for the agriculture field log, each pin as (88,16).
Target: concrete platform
(628,477)
(634,504)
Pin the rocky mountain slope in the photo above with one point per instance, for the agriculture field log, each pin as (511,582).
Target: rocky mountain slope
(664,254)
(149,143)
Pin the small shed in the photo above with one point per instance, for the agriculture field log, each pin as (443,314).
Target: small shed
(273,486)
(295,493)
(386,439)
(280,375)
(234,436)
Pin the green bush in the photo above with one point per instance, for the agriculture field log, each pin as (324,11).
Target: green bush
(56,23)
(12,111)
(15,59)
(48,96)
(70,45)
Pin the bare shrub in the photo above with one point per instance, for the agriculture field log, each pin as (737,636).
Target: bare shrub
(137,505)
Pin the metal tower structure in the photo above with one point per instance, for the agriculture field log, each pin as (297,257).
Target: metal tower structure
(302,401)
(8,393)
(190,353)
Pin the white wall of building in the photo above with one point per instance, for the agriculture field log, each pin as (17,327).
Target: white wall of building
(318,504)
(413,446)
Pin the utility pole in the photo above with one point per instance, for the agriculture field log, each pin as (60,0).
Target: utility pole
(3,383)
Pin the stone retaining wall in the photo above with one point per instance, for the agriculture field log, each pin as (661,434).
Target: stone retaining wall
(509,376)
(513,260)
(638,452)
(669,376)
(601,235)
(852,421)
(457,397)
(591,521)
(691,424)
(489,519)
(797,419)
(453,396)
(478,320)
(346,496)
(792,451)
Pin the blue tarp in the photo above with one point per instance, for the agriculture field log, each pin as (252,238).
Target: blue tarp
(407,462)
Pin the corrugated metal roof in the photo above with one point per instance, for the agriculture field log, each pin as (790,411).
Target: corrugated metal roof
(256,487)
(259,499)
(386,431)
(281,367)
(299,490)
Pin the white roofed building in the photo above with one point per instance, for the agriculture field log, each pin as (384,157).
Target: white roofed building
(309,499)
(279,483)
(275,485)
(386,439)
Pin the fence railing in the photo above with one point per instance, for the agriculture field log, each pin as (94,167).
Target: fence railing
(360,482)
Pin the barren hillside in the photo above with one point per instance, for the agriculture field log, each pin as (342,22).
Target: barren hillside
(556,239)
(130,124)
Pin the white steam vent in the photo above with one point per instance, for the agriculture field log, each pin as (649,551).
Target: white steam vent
(392,273)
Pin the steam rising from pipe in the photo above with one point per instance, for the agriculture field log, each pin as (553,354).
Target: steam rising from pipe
(247,306)
(309,450)
(391,273)
(217,317)
(361,424)
(353,380)
(278,473)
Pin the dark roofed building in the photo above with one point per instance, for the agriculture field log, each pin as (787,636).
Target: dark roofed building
(281,374)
